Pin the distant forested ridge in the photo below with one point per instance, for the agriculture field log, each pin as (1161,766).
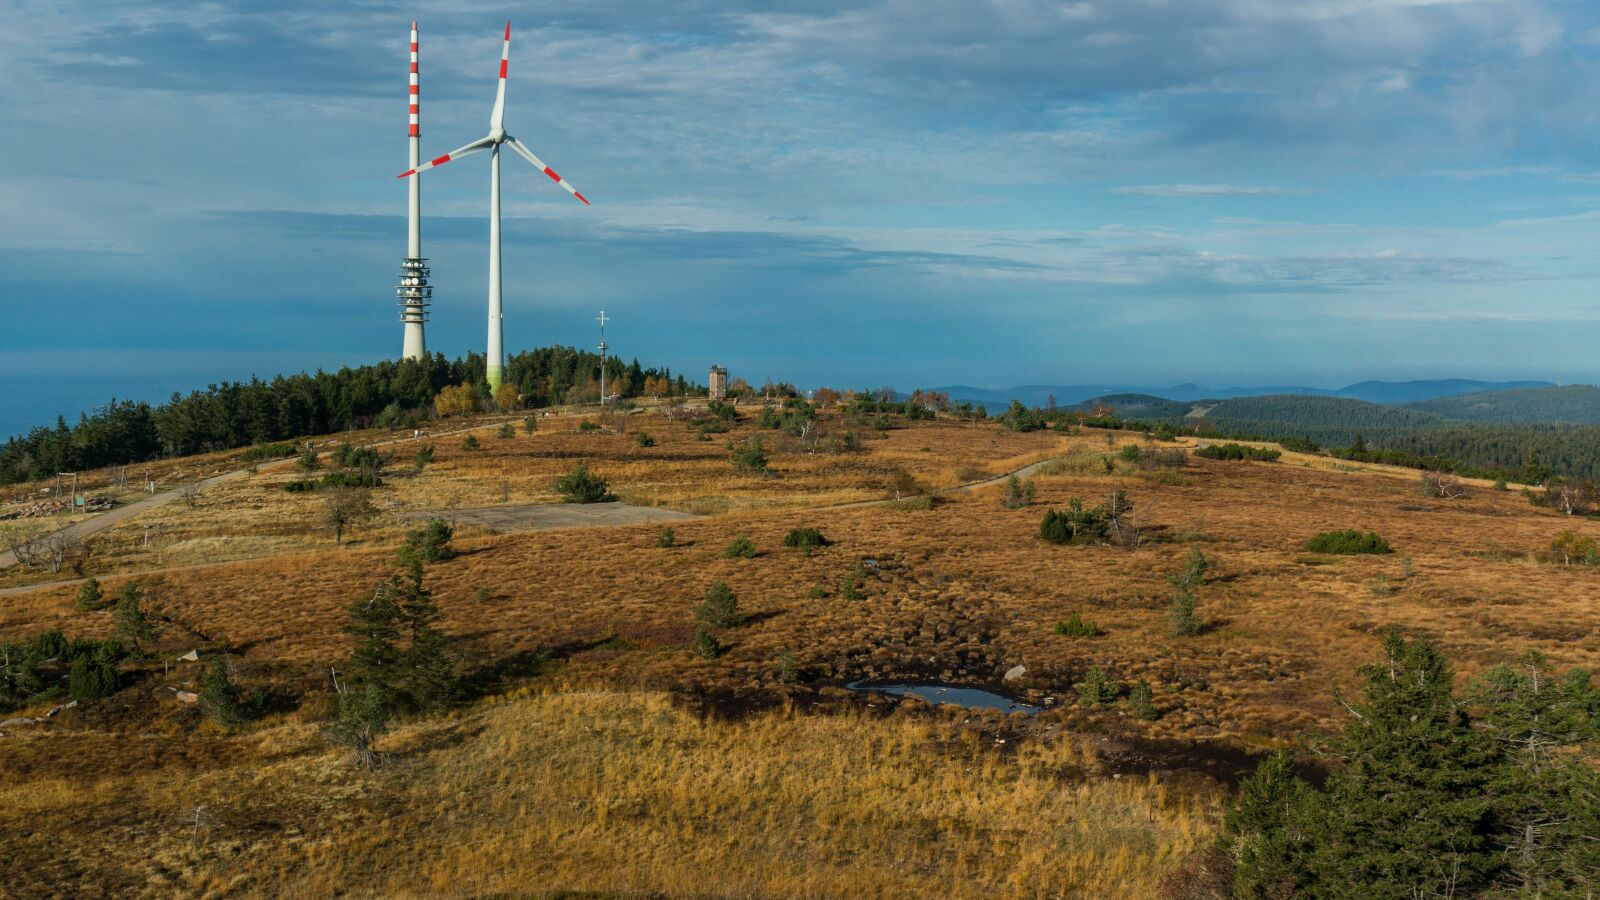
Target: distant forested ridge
(237,414)
(1577,403)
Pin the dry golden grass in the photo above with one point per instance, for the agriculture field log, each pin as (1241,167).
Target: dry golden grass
(586,790)
(961,591)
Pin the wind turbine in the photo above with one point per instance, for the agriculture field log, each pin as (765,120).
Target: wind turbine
(492,142)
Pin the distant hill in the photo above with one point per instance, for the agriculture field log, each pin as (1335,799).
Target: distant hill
(1578,403)
(1141,406)
(1388,392)
(1415,391)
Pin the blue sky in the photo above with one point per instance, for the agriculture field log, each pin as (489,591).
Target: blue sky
(908,192)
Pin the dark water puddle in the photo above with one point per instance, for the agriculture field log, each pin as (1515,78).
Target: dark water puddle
(968,697)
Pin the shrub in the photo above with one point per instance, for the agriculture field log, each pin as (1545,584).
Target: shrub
(705,644)
(90,598)
(849,591)
(1572,549)
(1075,626)
(1096,689)
(817,592)
(644,440)
(470,442)
(1129,453)
(1348,541)
(424,455)
(720,608)
(807,538)
(309,461)
(582,486)
(530,424)
(1238,452)
(431,542)
(667,538)
(507,430)
(588,425)
(92,677)
(1158,458)
(266,451)
(1141,701)
(1018,493)
(1074,525)
(750,456)
(740,547)
(482,594)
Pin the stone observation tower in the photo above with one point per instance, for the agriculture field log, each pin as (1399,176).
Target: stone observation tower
(719,383)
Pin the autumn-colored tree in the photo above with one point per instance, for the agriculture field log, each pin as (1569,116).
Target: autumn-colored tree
(456,400)
(826,397)
(506,397)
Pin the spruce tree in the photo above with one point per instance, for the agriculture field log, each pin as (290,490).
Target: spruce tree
(1409,813)
(429,660)
(1547,799)
(90,597)
(219,699)
(1271,831)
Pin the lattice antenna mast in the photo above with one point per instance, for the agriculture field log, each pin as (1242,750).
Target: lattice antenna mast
(414,293)
(602,358)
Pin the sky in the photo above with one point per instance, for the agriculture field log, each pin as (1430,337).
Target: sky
(905,192)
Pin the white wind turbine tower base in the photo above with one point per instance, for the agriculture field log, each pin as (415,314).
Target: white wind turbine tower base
(491,142)
(413,293)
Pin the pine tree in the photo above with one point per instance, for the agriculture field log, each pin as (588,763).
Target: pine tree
(133,627)
(1409,813)
(219,699)
(375,622)
(430,659)
(90,597)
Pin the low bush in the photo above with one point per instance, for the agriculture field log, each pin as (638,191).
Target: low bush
(424,456)
(667,537)
(1018,493)
(582,486)
(1571,549)
(750,457)
(431,542)
(720,609)
(1348,541)
(644,440)
(806,538)
(1171,458)
(1075,626)
(267,451)
(470,442)
(705,644)
(740,547)
(1074,525)
(507,430)
(588,425)
(92,677)
(1238,451)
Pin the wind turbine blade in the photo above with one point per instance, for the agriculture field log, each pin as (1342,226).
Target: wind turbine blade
(482,143)
(539,163)
(498,117)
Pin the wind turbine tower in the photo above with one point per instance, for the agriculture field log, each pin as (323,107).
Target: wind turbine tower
(414,293)
(492,142)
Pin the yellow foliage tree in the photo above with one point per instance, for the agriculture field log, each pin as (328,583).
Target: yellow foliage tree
(456,400)
(507,398)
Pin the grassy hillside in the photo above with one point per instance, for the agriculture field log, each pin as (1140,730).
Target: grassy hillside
(1577,403)
(594,749)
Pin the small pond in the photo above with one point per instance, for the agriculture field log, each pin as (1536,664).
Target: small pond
(971,698)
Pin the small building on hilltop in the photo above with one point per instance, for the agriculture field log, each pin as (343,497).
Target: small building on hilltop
(718,381)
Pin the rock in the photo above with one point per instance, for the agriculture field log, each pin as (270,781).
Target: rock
(57,709)
(191,656)
(24,720)
(1015,672)
(188,697)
